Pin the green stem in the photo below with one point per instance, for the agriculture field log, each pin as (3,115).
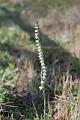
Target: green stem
(44,94)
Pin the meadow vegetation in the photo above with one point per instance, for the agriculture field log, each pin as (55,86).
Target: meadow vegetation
(39,80)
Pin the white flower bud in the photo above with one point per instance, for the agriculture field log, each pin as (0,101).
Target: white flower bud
(41,87)
(37,41)
(42,82)
(36,36)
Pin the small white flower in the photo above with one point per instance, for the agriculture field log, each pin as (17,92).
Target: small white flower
(42,82)
(37,41)
(41,87)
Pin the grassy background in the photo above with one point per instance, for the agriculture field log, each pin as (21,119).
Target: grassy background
(16,44)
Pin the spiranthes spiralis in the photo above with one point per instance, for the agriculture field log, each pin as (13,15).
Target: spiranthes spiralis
(43,66)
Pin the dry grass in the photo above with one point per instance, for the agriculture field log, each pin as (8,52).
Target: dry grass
(66,105)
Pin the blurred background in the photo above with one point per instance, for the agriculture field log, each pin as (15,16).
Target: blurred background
(59,25)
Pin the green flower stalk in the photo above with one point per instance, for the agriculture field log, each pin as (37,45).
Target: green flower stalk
(43,66)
